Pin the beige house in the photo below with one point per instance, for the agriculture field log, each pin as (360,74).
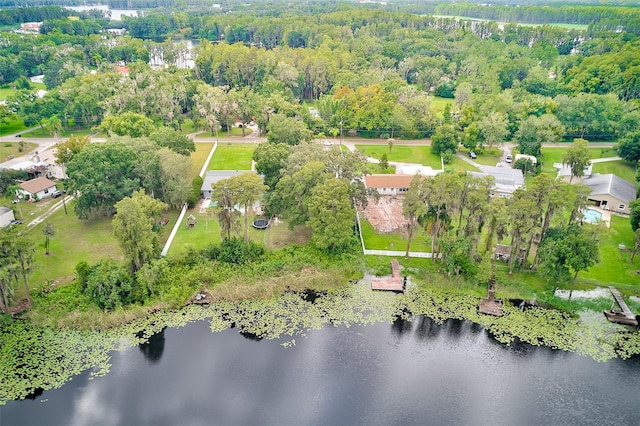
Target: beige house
(610,192)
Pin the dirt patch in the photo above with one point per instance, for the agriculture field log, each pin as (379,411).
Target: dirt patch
(386,215)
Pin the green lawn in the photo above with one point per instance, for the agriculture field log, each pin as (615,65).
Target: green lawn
(487,157)
(554,155)
(206,231)
(75,240)
(458,165)
(396,241)
(232,156)
(403,154)
(437,105)
(614,266)
(199,157)
(14,149)
(11,126)
(620,168)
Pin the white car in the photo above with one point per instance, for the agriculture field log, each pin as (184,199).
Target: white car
(508,158)
(326,143)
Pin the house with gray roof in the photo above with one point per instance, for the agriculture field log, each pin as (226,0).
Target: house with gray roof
(610,192)
(506,180)
(214,176)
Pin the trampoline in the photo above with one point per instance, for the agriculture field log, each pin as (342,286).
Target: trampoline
(260,223)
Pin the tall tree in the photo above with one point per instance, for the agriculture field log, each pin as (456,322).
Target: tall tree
(54,126)
(270,158)
(133,227)
(174,140)
(247,188)
(629,148)
(100,176)
(577,157)
(413,206)
(48,231)
(331,215)
(65,150)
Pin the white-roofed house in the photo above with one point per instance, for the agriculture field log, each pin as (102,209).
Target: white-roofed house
(610,192)
(6,216)
(506,180)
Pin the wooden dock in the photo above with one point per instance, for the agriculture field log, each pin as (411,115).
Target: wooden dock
(622,315)
(491,305)
(394,283)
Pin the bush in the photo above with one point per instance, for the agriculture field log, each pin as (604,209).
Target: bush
(234,250)
(109,284)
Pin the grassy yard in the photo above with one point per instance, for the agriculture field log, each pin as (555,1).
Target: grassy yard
(75,240)
(487,157)
(437,105)
(11,126)
(620,168)
(375,241)
(232,156)
(403,154)
(199,157)
(458,165)
(13,149)
(614,266)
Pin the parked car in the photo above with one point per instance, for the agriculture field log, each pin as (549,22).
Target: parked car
(472,155)
(16,222)
(508,158)
(58,193)
(326,143)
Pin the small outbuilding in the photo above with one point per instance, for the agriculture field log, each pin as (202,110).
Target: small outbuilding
(38,188)
(6,216)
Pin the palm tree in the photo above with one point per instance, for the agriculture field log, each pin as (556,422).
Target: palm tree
(54,126)
(49,231)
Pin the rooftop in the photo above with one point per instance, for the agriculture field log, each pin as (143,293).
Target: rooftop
(36,185)
(388,181)
(610,184)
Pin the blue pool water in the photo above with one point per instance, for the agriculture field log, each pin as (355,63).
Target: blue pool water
(592,216)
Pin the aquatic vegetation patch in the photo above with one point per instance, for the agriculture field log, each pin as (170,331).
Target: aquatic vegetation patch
(33,358)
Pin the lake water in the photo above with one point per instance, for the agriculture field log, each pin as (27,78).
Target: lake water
(116,14)
(383,374)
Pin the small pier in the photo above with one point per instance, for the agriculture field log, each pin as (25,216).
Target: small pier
(623,315)
(393,283)
(491,305)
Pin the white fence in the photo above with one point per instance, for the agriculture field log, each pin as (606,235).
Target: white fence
(391,253)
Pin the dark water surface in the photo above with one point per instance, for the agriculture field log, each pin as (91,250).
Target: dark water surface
(384,374)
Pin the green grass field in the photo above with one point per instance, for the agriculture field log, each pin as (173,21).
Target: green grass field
(11,126)
(234,132)
(614,266)
(403,154)
(396,241)
(620,168)
(232,156)
(437,105)
(199,157)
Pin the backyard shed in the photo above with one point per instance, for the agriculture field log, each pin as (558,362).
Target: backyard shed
(6,216)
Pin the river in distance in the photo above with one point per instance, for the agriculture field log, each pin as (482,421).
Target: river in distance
(404,373)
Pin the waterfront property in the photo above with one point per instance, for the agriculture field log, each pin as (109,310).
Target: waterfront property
(609,192)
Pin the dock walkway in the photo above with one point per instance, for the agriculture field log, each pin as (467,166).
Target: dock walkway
(394,283)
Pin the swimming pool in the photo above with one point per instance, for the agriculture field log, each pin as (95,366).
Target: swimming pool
(592,216)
